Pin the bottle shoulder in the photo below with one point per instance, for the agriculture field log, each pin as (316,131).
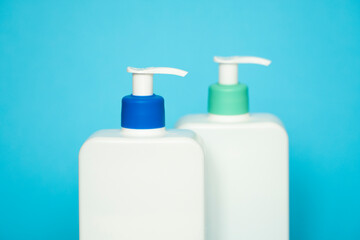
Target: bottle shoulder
(116,136)
(252,120)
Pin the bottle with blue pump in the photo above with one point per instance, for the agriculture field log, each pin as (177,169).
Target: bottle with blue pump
(142,181)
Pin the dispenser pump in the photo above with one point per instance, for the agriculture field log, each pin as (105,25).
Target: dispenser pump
(228,96)
(143,109)
(143,78)
(228,67)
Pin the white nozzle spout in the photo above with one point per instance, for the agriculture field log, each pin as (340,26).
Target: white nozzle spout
(228,67)
(143,78)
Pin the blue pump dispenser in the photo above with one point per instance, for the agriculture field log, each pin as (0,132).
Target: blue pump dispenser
(143,109)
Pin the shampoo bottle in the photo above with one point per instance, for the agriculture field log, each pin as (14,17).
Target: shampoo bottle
(142,181)
(246,164)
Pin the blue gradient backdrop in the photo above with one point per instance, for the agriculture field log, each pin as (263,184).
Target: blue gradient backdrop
(63,73)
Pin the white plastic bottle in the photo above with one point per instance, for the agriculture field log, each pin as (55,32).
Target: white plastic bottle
(246,164)
(142,181)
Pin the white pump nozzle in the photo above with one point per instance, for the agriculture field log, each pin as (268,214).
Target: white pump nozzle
(143,78)
(228,67)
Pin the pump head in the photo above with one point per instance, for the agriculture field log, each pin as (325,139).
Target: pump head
(228,96)
(143,109)
(228,67)
(143,78)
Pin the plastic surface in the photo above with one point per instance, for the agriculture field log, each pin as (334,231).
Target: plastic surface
(228,67)
(143,78)
(246,177)
(141,187)
(228,97)
(142,112)
(156,132)
(143,109)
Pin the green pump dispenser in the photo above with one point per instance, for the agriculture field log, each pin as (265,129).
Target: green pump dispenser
(228,96)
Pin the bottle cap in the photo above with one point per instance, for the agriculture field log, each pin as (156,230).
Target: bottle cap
(228,96)
(143,109)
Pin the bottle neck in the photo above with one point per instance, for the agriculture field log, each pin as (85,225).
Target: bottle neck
(155,132)
(229,118)
(228,100)
(142,112)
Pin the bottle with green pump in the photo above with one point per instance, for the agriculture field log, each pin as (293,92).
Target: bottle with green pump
(246,163)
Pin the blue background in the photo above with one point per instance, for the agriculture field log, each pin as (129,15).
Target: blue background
(63,74)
